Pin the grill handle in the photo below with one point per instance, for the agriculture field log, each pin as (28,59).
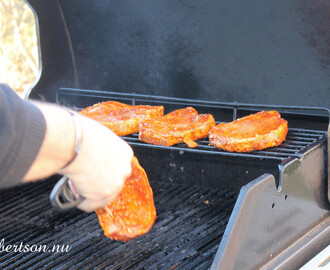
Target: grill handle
(62,198)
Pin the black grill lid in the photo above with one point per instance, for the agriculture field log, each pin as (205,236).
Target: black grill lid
(262,52)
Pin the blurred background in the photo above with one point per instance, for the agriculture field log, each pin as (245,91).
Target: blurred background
(19,64)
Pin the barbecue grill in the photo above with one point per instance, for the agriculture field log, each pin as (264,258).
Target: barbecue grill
(266,209)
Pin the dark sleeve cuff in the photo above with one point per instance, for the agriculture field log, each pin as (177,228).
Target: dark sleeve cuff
(22,131)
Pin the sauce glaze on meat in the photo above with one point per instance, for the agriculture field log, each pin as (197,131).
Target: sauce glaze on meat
(254,132)
(122,119)
(132,212)
(183,125)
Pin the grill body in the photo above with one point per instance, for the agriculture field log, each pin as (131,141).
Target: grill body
(267,209)
(273,210)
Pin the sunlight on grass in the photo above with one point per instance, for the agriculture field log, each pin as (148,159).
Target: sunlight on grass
(18,45)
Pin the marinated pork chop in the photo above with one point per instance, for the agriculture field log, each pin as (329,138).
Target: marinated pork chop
(132,212)
(121,118)
(183,125)
(254,132)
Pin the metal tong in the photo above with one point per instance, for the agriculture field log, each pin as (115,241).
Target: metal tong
(62,197)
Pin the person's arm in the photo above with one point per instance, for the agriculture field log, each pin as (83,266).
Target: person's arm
(22,129)
(39,140)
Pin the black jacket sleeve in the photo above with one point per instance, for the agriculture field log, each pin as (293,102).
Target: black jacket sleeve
(22,130)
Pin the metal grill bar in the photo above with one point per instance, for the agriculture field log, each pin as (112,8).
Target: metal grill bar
(62,94)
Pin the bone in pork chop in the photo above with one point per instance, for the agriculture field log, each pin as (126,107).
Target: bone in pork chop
(183,125)
(122,119)
(254,132)
(132,212)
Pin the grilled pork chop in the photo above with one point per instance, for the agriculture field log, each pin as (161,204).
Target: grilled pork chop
(132,212)
(183,125)
(254,132)
(121,118)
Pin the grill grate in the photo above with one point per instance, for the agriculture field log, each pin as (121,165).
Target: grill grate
(297,141)
(295,144)
(187,232)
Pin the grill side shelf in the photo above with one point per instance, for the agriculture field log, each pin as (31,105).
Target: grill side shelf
(268,219)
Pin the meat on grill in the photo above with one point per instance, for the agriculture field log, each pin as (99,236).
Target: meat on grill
(132,212)
(254,132)
(183,125)
(122,119)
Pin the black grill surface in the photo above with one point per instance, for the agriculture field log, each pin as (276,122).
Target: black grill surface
(188,229)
